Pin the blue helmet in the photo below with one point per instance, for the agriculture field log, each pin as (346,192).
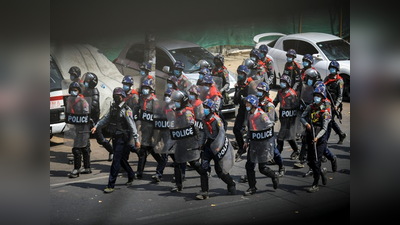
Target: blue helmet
(195,90)
(334,64)
(145,66)
(262,86)
(210,104)
(119,91)
(291,53)
(173,80)
(204,71)
(320,89)
(309,58)
(286,78)
(148,83)
(253,100)
(179,65)
(127,80)
(243,69)
(263,48)
(256,53)
(75,85)
(208,79)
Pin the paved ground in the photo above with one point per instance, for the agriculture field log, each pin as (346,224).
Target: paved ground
(81,200)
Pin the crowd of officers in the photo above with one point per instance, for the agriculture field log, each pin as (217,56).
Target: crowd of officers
(188,126)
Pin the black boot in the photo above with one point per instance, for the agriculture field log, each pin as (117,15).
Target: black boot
(271,174)
(324,176)
(342,136)
(86,161)
(334,164)
(231,185)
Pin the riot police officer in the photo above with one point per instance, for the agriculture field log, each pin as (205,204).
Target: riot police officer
(217,147)
(316,118)
(221,78)
(241,91)
(292,69)
(122,127)
(288,100)
(334,84)
(149,104)
(186,134)
(269,79)
(183,82)
(260,142)
(78,107)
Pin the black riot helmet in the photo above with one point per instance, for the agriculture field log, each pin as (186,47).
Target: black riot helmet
(91,79)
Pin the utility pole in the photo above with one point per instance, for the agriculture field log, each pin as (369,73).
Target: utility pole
(150,51)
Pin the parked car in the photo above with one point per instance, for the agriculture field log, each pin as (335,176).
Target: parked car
(168,51)
(57,114)
(88,59)
(323,47)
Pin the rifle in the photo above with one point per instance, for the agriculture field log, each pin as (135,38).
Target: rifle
(338,114)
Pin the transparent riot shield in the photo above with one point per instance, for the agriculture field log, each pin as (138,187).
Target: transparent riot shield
(77,118)
(163,142)
(184,132)
(262,141)
(223,149)
(145,122)
(198,110)
(253,87)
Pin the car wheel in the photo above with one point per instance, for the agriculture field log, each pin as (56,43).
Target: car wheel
(346,88)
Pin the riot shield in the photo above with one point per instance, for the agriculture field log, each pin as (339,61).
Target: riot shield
(163,142)
(306,98)
(218,81)
(222,148)
(199,114)
(145,122)
(262,141)
(253,87)
(77,119)
(184,132)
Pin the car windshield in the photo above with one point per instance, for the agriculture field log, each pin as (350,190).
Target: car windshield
(55,77)
(190,56)
(336,49)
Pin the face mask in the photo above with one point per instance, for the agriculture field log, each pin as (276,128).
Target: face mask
(117,99)
(192,97)
(169,86)
(145,91)
(289,59)
(283,85)
(332,70)
(206,112)
(240,77)
(72,77)
(86,85)
(248,108)
(218,64)
(253,59)
(259,93)
(310,82)
(177,105)
(167,99)
(206,88)
(306,64)
(317,99)
(126,87)
(143,73)
(201,77)
(74,93)
(177,73)
(262,55)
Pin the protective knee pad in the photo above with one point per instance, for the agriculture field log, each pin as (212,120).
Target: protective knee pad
(264,169)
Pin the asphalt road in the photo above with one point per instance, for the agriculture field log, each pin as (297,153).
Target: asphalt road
(82,201)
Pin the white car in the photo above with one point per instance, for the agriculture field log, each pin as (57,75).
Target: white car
(88,59)
(323,47)
(168,51)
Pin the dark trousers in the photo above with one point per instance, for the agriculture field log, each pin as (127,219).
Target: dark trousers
(101,140)
(237,127)
(314,161)
(160,158)
(121,156)
(251,173)
(333,125)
